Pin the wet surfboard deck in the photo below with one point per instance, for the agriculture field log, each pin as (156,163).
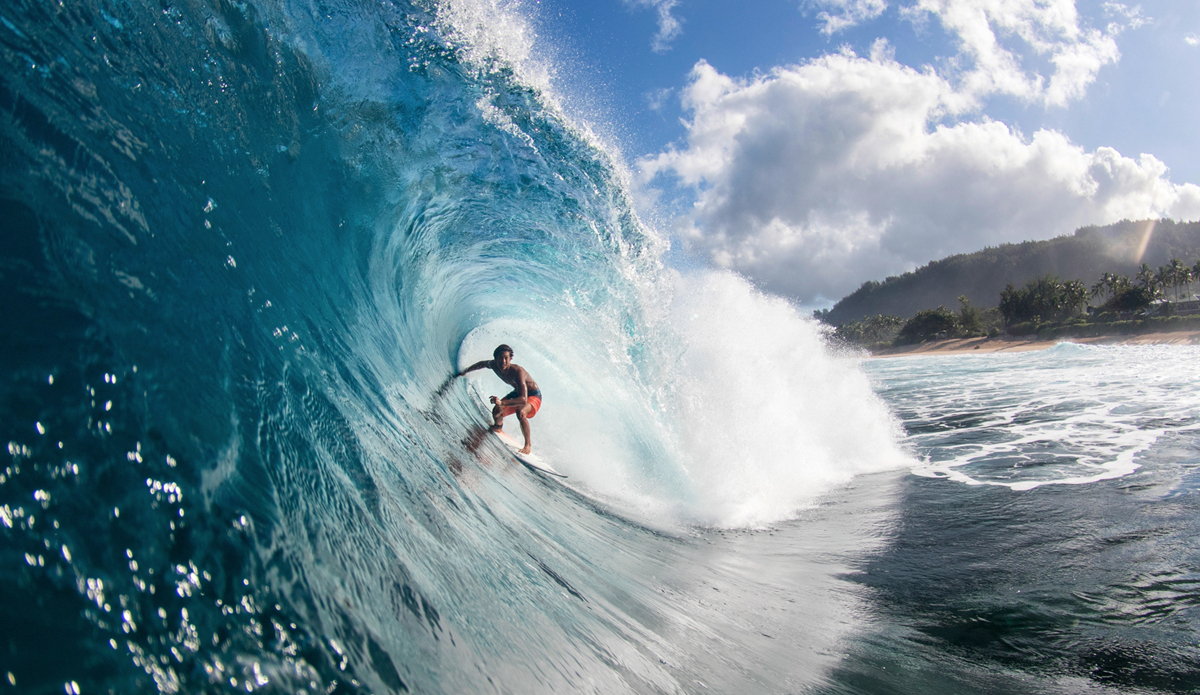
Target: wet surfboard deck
(530,460)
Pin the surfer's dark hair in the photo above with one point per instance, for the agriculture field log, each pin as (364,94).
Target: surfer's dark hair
(501,349)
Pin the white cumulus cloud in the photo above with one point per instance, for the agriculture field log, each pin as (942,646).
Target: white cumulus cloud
(669,26)
(1002,42)
(996,39)
(836,15)
(1132,15)
(813,178)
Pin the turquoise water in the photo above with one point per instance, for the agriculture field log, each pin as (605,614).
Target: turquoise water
(244,247)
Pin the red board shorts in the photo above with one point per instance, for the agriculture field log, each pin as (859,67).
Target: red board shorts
(535,401)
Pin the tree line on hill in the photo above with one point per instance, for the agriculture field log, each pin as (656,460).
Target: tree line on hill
(1117,248)
(1041,302)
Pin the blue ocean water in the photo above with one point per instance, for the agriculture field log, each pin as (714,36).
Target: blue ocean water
(1047,541)
(245,245)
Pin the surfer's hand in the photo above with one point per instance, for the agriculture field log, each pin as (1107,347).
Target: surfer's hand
(494,400)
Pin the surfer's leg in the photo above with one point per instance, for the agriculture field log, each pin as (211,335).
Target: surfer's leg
(524,420)
(497,418)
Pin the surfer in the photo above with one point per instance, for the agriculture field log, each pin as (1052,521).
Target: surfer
(525,399)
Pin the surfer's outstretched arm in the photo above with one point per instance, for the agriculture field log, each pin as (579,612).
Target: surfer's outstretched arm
(478,365)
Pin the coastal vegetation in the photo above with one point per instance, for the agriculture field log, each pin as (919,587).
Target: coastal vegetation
(1151,300)
(882,331)
(1089,253)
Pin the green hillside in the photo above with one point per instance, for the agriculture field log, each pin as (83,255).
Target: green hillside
(1084,255)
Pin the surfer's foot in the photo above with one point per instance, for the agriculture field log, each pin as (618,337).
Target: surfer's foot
(496,428)
(526,450)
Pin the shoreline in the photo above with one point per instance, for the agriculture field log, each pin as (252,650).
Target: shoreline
(979,346)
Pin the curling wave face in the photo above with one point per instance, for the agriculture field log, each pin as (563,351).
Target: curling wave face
(249,242)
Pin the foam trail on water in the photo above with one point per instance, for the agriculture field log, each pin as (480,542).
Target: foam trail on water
(1037,429)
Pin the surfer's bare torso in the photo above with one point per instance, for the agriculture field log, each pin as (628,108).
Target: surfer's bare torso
(515,376)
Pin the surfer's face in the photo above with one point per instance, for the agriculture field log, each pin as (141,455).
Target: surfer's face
(503,360)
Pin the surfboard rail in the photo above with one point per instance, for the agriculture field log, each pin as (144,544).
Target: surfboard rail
(532,461)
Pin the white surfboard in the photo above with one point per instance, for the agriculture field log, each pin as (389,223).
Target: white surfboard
(530,460)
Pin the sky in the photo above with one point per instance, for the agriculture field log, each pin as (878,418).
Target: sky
(812,145)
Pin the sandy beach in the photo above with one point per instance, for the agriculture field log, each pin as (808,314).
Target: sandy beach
(1010,344)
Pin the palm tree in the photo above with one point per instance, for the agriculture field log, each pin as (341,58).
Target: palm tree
(1182,275)
(1103,286)
(1075,294)
(1120,284)
(1164,278)
(1145,277)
